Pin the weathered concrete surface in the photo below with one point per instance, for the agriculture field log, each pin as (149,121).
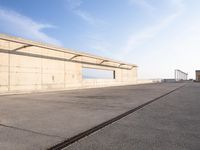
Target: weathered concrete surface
(31,66)
(39,120)
(15,139)
(171,123)
(198,75)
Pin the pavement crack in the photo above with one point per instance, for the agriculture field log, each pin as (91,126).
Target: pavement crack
(30,131)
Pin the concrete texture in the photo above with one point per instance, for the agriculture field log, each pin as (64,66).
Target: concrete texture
(41,120)
(171,123)
(16,139)
(198,75)
(29,66)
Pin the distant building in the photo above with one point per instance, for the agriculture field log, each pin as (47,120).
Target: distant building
(198,75)
(180,75)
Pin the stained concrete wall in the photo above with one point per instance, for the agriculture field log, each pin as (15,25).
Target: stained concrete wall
(28,66)
(198,75)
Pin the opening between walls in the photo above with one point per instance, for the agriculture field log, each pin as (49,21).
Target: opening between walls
(94,73)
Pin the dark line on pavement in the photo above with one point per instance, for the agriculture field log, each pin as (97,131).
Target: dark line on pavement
(25,130)
(79,136)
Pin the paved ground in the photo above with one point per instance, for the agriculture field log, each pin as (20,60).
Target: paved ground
(38,121)
(171,123)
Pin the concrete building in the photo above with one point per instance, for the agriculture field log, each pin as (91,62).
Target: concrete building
(198,75)
(180,75)
(28,65)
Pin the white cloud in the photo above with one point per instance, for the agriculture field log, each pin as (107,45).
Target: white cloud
(142,3)
(88,17)
(98,45)
(148,33)
(20,25)
(75,7)
(74,4)
(178,3)
(140,38)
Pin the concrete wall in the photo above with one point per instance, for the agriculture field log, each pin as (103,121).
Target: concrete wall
(198,75)
(148,81)
(28,68)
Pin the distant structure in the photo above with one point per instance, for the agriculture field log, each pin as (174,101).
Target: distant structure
(180,75)
(198,75)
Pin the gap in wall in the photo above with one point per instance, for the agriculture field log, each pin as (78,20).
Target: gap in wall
(93,73)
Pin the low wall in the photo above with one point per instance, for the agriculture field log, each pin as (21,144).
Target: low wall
(148,81)
(30,66)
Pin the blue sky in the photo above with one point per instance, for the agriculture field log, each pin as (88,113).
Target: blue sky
(157,35)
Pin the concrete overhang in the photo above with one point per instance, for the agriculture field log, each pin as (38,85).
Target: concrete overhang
(29,43)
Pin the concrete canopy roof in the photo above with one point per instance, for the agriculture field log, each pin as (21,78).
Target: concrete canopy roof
(29,43)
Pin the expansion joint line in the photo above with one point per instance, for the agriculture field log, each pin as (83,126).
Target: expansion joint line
(30,131)
(76,138)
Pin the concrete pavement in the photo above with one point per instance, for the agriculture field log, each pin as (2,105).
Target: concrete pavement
(41,120)
(171,123)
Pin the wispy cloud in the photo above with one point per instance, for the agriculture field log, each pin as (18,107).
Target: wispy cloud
(140,38)
(179,4)
(98,45)
(74,4)
(93,40)
(88,17)
(75,7)
(142,3)
(18,24)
